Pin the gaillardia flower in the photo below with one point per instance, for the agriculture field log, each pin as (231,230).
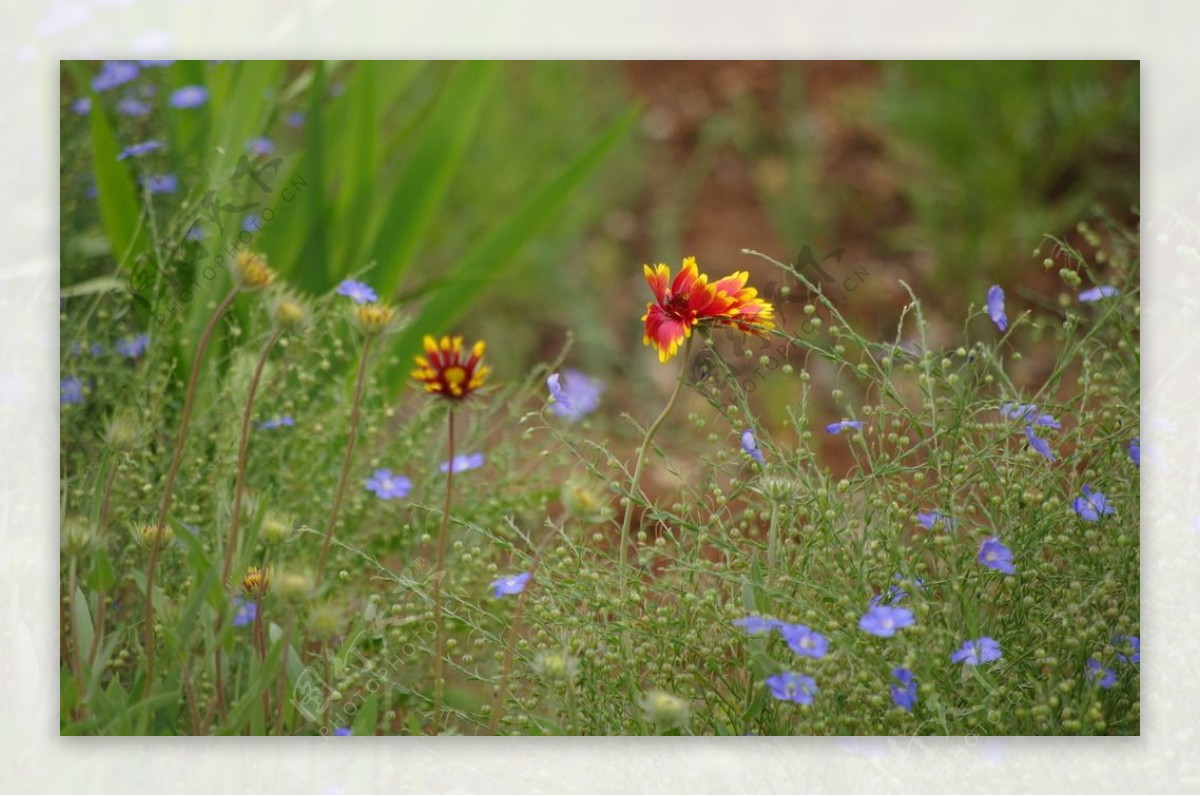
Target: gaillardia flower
(444,371)
(690,300)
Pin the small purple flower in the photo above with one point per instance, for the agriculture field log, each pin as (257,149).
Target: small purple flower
(792,687)
(1038,444)
(894,593)
(1097,293)
(1093,505)
(804,641)
(132,106)
(134,150)
(251,223)
(277,422)
(884,620)
(244,611)
(294,119)
(195,232)
(162,183)
(82,106)
(928,519)
(188,97)
(1100,675)
(1135,451)
(1029,413)
(151,64)
(1134,645)
(994,555)
(113,74)
(260,146)
(360,292)
(995,307)
(132,347)
(904,695)
(575,397)
(340,731)
(387,486)
(70,390)
(977,651)
(750,446)
(509,584)
(463,462)
(96,350)
(757,625)
(842,425)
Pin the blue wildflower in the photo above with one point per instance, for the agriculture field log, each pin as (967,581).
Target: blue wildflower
(994,555)
(260,146)
(360,292)
(575,397)
(294,119)
(188,97)
(894,593)
(278,422)
(1038,444)
(133,347)
(113,74)
(1135,451)
(792,687)
(1029,413)
(342,731)
(757,625)
(1093,505)
(463,462)
(842,425)
(804,641)
(1097,293)
(82,106)
(387,486)
(132,106)
(96,350)
(750,446)
(195,232)
(150,64)
(928,519)
(1100,675)
(134,150)
(904,695)
(1134,644)
(884,621)
(977,651)
(995,307)
(251,223)
(509,584)
(244,611)
(162,183)
(70,390)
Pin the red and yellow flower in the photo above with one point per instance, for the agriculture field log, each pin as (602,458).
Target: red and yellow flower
(691,299)
(444,370)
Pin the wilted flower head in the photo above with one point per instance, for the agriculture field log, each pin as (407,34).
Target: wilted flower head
(255,582)
(373,319)
(289,313)
(994,555)
(360,292)
(843,425)
(665,710)
(792,687)
(124,432)
(904,695)
(388,486)
(509,584)
(1097,293)
(556,666)
(1093,505)
(1100,675)
(977,651)
(575,396)
(995,307)
(750,446)
(463,462)
(250,271)
(885,620)
(690,300)
(1038,444)
(446,372)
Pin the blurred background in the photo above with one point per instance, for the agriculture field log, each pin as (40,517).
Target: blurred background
(517,202)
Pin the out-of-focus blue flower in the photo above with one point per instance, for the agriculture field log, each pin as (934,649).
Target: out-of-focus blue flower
(277,422)
(251,223)
(96,350)
(757,625)
(463,462)
(188,97)
(994,555)
(195,232)
(1134,644)
(342,731)
(792,687)
(1093,505)
(1100,675)
(1029,413)
(995,307)
(928,519)
(1097,293)
(162,183)
(976,651)
(1135,451)
(132,347)
(842,425)
(244,611)
(1038,444)
(132,106)
(387,486)
(894,593)
(509,584)
(113,74)
(885,620)
(804,641)
(82,106)
(260,146)
(360,292)
(134,150)
(70,390)
(151,64)
(904,695)
(575,396)
(294,119)
(750,446)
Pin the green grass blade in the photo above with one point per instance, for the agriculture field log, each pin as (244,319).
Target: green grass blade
(119,207)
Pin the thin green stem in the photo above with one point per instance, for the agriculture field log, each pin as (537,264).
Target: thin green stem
(440,573)
(76,661)
(102,594)
(773,544)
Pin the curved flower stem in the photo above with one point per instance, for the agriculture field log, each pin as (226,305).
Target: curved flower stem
(438,574)
(641,461)
(169,487)
(347,459)
(235,519)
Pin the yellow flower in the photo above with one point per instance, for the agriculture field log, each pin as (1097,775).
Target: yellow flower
(255,582)
(146,534)
(373,319)
(445,372)
(250,271)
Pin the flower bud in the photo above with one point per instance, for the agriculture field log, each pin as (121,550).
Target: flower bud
(293,587)
(124,432)
(556,666)
(276,528)
(78,537)
(255,582)
(373,319)
(289,313)
(250,271)
(147,534)
(665,710)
